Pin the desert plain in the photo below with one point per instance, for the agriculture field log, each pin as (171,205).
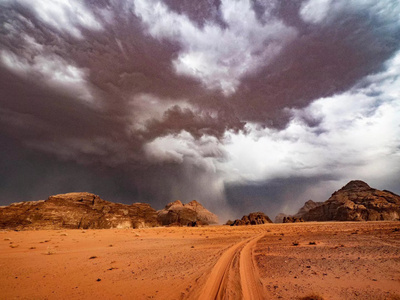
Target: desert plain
(312,260)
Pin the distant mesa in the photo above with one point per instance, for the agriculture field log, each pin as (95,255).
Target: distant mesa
(255,218)
(356,201)
(76,210)
(191,214)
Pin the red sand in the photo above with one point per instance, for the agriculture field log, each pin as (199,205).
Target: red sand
(348,261)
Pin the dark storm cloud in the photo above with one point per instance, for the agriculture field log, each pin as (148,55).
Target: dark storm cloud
(176,119)
(277,195)
(322,61)
(141,99)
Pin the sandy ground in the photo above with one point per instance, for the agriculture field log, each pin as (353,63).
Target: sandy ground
(274,261)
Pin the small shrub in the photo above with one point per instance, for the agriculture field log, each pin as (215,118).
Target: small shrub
(50,251)
(312,297)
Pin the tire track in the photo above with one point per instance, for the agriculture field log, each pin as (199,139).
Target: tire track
(215,287)
(249,278)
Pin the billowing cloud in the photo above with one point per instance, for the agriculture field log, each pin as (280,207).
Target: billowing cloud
(243,105)
(218,56)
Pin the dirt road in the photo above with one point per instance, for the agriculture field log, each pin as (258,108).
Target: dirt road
(217,283)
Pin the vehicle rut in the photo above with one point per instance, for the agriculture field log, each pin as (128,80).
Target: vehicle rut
(216,285)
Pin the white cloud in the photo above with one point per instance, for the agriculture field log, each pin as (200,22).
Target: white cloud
(147,107)
(322,11)
(49,69)
(217,56)
(63,15)
(183,147)
(314,11)
(358,137)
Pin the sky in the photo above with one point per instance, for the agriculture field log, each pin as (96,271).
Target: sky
(243,105)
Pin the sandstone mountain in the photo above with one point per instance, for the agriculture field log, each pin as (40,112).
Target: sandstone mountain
(255,218)
(298,217)
(190,214)
(357,201)
(76,210)
(310,204)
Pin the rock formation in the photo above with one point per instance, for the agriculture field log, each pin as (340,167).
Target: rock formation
(291,219)
(190,214)
(310,204)
(255,218)
(229,222)
(76,210)
(357,201)
(279,217)
(298,217)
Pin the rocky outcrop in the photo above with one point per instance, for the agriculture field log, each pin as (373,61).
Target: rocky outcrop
(310,204)
(357,201)
(290,219)
(255,218)
(229,222)
(298,217)
(190,214)
(76,210)
(279,217)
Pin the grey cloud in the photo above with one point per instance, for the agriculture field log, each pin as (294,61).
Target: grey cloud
(278,195)
(218,56)
(197,124)
(322,62)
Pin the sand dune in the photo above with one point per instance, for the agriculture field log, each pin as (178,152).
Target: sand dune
(272,261)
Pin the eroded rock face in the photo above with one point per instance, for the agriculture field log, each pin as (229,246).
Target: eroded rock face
(357,201)
(190,214)
(255,218)
(76,210)
(310,204)
(298,217)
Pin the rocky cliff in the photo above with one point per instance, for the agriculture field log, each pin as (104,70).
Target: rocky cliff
(357,201)
(76,210)
(190,214)
(255,218)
